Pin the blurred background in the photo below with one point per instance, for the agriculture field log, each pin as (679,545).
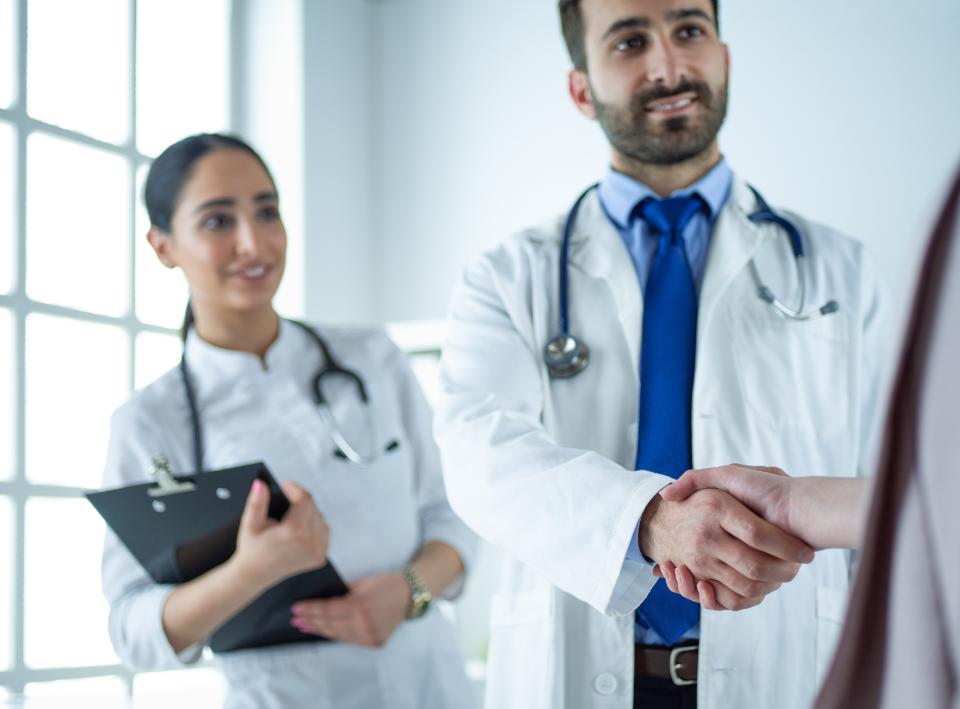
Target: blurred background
(406,136)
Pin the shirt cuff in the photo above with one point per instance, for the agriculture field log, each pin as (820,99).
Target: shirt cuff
(633,550)
(188,655)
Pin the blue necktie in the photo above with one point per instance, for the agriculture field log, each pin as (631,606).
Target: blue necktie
(666,383)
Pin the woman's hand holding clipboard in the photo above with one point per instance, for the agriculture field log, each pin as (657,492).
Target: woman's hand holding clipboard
(181,527)
(269,550)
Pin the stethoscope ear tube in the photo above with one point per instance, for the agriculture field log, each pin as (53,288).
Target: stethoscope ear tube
(565,356)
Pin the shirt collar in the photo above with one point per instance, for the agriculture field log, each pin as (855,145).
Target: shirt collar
(620,194)
(210,364)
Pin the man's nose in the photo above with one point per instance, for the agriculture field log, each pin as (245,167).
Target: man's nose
(663,66)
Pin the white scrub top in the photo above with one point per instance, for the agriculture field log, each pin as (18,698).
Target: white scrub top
(380,515)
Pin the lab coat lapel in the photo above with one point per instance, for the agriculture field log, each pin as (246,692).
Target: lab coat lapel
(597,250)
(734,242)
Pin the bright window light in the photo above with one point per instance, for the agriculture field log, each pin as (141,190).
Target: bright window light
(8,52)
(7,199)
(7,402)
(93,693)
(78,228)
(6,583)
(161,291)
(181,89)
(78,65)
(64,540)
(155,354)
(77,374)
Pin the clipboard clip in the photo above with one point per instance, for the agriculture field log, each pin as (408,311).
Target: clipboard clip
(167,484)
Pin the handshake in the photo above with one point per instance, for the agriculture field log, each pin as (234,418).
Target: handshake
(726,537)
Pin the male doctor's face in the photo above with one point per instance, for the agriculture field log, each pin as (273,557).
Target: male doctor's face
(656,77)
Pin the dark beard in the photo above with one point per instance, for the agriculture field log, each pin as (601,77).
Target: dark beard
(679,139)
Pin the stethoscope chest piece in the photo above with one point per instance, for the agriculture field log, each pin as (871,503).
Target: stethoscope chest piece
(565,356)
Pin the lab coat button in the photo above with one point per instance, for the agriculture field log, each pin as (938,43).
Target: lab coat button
(605,683)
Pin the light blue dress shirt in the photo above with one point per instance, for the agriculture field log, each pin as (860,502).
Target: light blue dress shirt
(619,196)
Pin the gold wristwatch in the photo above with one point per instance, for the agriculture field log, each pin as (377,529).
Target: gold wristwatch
(420,597)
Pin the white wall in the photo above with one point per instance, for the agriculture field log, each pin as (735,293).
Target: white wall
(305,90)
(844,110)
(340,86)
(847,111)
(268,73)
(478,138)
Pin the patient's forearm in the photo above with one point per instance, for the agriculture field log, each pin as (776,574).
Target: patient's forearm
(829,512)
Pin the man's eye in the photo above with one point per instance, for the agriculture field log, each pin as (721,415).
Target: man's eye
(630,43)
(216,222)
(691,32)
(268,214)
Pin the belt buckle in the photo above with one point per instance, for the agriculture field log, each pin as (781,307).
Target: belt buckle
(674,666)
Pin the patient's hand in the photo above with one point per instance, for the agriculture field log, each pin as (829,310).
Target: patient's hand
(763,490)
(718,538)
(766,491)
(824,512)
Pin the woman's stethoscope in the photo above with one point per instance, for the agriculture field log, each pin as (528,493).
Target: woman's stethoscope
(566,356)
(329,368)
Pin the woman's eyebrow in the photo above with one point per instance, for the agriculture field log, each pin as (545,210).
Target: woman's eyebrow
(217,202)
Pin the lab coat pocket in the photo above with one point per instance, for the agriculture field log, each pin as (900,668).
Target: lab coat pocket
(522,634)
(831,604)
(795,375)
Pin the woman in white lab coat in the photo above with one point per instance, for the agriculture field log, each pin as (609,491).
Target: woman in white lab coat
(386,525)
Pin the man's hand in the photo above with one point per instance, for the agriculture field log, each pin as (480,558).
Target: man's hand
(825,512)
(366,616)
(716,537)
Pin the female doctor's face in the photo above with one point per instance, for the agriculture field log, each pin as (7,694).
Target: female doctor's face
(226,234)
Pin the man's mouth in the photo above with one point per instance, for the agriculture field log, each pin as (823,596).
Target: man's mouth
(672,104)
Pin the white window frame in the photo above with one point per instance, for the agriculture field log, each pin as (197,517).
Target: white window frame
(18,489)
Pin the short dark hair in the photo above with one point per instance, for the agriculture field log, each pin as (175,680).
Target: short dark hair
(571,22)
(174,166)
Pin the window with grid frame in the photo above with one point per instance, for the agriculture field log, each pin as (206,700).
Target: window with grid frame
(89,93)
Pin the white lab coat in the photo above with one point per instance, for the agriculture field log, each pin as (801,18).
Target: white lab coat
(542,468)
(379,515)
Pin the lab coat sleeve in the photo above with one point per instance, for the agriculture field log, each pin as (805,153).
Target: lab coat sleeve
(568,514)
(135,601)
(875,365)
(438,522)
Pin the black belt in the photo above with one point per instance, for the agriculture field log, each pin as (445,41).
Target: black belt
(678,664)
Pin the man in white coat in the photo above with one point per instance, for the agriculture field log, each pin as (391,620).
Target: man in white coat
(560,465)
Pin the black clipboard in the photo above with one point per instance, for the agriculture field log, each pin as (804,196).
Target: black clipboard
(180,527)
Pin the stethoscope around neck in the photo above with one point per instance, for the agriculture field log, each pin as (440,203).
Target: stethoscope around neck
(566,355)
(329,368)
